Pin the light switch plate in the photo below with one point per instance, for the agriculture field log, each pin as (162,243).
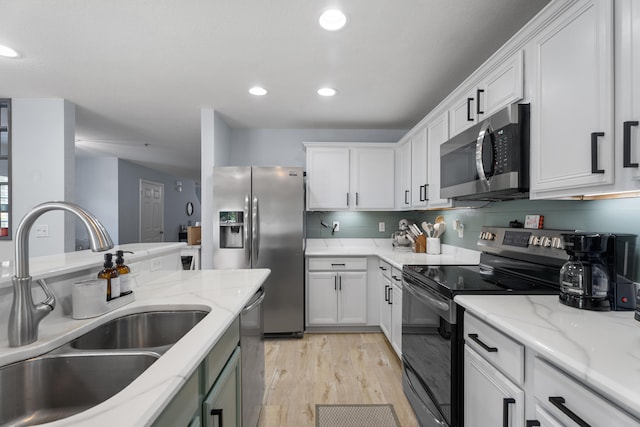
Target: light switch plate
(41,230)
(336,226)
(381,226)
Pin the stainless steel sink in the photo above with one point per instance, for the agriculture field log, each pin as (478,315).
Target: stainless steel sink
(51,387)
(157,330)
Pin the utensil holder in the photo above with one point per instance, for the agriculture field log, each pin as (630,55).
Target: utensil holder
(421,244)
(433,246)
(89,299)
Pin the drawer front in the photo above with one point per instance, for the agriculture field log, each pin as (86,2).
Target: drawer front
(385,268)
(570,401)
(396,277)
(337,264)
(217,358)
(503,352)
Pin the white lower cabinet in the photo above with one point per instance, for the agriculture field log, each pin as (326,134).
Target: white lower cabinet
(490,398)
(391,305)
(211,396)
(396,318)
(336,297)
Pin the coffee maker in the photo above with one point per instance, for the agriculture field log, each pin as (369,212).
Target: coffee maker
(599,272)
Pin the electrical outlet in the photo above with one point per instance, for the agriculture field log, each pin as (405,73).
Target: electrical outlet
(381,226)
(461,230)
(336,226)
(42,230)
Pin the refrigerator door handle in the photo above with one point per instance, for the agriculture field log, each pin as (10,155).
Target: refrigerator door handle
(247,246)
(255,223)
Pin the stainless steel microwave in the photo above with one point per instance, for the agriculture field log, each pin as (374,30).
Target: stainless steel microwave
(490,160)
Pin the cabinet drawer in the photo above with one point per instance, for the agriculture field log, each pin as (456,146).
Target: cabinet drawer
(337,264)
(217,358)
(385,268)
(554,390)
(396,277)
(505,353)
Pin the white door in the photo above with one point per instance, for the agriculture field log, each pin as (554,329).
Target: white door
(151,211)
(396,319)
(419,184)
(322,298)
(437,134)
(328,178)
(403,174)
(385,308)
(352,290)
(373,178)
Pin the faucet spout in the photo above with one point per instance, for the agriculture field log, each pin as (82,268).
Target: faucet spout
(25,316)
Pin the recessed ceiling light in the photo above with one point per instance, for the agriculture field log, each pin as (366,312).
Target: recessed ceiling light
(8,52)
(258,91)
(326,91)
(332,19)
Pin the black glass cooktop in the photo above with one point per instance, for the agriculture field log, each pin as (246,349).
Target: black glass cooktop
(521,278)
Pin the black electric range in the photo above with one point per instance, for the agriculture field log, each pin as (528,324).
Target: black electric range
(513,261)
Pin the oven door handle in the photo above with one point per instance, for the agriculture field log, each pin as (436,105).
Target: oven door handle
(434,412)
(424,296)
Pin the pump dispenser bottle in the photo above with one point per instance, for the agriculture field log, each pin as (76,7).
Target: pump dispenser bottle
(123,271)
(111,275)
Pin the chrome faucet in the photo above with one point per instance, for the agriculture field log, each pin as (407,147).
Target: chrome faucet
(25,316)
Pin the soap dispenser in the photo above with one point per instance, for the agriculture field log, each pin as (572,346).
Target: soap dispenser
(110,274)
(123,271)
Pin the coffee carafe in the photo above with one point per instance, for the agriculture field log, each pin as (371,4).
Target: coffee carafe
(584,278)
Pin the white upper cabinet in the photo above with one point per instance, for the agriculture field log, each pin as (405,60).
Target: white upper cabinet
(344,177)
(501,86)
(627,102)
(437,134)
(419,178)
(572,143)
(403,175)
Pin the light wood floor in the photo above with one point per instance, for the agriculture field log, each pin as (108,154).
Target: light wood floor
(330,369)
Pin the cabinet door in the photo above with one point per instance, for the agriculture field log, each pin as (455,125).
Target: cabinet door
(403,175)
(572,101)
(322,299)
(462,114)
(419,179)
(627,77)
(373,178)
(490,399)
(327,178)
(222,406)
(501,87)
(385,307)
(437,134)
(352,291)
(396,319)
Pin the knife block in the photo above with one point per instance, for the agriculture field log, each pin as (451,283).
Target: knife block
(421,244)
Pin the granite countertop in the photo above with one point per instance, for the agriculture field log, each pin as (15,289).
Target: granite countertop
(222,292)
(451,255)
(602,349)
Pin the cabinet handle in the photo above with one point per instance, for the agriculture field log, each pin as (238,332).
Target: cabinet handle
(217,413)
(396,278)
(533,423)
(558,402)
(347,199)
(594,152)
(390,295)
(627,145)
(340,282)
(356,199)
(335,282)
(406,194)
(478,110)
(382,268)
(469,101)
(386,288)
(475,338)
(425,192)
(338,265)
(420,193)
(505,410)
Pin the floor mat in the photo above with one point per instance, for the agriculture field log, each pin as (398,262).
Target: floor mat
(356,416)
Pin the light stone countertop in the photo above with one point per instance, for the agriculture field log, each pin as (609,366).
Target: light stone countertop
(223,292)
(451,255)
(602,349)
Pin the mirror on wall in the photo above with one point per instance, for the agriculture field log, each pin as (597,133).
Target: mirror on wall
(5,169)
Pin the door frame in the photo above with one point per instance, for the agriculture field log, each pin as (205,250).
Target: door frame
(140,188)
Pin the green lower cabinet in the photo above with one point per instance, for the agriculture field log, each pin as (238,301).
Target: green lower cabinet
(222,405)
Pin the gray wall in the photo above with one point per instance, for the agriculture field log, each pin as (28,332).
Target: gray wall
(283,147)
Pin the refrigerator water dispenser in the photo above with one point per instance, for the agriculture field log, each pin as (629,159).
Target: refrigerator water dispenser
(231,229)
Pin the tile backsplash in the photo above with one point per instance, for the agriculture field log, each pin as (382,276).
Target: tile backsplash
(613,216)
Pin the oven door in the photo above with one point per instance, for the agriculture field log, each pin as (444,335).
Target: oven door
(429,342)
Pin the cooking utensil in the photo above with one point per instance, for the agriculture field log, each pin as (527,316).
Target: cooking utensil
(428,228)
(416,229)
(440,228)
(439,218)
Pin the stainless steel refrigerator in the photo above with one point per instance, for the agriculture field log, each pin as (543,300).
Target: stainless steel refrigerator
(258,223)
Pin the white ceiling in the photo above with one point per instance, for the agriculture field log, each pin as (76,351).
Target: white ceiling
(139,71)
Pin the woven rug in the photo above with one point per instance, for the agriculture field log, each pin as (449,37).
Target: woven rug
(356,416)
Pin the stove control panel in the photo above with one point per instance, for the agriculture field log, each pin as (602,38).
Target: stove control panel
(547,243)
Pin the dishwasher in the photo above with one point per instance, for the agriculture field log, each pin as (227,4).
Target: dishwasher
(252,350)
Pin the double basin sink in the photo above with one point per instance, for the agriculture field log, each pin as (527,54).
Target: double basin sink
(89,369)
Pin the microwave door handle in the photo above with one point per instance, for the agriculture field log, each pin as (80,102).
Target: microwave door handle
(484,130)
